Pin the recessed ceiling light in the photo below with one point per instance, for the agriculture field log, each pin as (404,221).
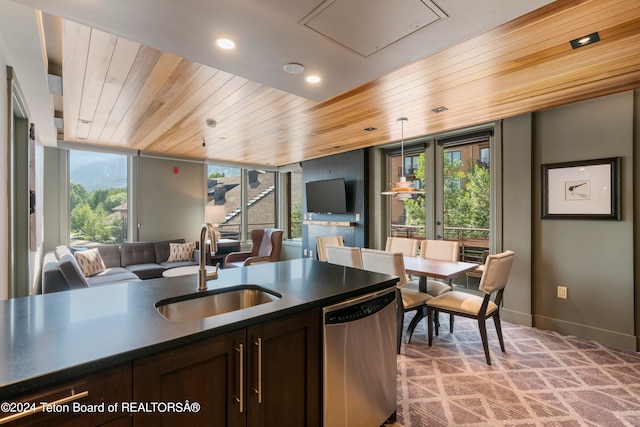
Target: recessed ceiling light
(583,41)
(313,79)
(293,68)
(225,43)
(439,109)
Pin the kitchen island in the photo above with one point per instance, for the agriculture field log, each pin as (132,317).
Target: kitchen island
(50,339)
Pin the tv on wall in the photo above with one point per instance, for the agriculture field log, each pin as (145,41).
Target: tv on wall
(327,196)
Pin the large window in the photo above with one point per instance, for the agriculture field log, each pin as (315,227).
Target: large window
(261,200)
(98,212)
(223,189)
(466,197)
(463,213)
(295,204)
(408,216)
(257,203)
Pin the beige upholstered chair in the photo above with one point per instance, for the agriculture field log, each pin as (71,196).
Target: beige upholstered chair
(344,255)
(493,281)
(445,250)
(322,242)
(266,247)
(408,247)
(408,299)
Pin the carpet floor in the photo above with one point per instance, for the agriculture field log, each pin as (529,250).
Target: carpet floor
(543,379)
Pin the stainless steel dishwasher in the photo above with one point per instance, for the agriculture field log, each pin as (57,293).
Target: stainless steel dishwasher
(360,360)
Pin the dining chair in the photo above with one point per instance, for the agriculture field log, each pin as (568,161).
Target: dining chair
(408,247)
(322,242)
(344,255)
(408,299)
(459,303)
(444,250)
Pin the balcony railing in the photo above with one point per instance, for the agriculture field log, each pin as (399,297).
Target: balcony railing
(474,242)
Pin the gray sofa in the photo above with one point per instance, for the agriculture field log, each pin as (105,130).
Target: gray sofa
(128,262)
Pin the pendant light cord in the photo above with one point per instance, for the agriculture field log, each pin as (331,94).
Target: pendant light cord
(402,120)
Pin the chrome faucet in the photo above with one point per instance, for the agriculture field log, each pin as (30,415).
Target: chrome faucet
(203,276)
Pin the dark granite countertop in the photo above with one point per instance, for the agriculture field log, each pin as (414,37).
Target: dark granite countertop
(52,337)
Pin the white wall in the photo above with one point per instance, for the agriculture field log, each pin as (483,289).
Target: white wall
(4,131)
(21,49)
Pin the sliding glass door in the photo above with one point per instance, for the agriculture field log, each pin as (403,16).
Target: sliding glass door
(463,194)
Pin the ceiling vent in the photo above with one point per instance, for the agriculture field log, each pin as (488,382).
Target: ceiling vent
(368,26)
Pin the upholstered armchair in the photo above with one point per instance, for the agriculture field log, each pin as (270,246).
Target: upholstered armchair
(266,247)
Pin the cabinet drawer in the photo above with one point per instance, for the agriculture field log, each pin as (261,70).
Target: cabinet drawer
(84,401)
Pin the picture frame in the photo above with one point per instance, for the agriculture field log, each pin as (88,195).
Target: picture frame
(588,189)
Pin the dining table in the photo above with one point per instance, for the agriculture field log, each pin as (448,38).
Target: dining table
(434,268)
(438,269)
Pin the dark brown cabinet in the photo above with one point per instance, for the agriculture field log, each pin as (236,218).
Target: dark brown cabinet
(264,375)
(82,402)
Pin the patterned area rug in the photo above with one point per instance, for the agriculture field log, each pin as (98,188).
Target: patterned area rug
(543,379)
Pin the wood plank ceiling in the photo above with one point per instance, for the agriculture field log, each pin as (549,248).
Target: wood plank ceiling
(119,93)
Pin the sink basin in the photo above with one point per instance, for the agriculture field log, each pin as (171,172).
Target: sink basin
(211,303)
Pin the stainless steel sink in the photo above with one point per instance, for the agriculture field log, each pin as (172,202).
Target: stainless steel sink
(211,303)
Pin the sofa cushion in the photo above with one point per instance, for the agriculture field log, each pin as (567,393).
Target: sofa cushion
(146,271)
(61,250)
(114,275)
(135,253)
(181,251)
(110,255)
(71,272)
(162,249)
(167,265)
(90,262)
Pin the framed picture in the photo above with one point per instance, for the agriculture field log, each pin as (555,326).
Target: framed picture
(588,189)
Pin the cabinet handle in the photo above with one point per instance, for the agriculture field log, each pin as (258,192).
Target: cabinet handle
(240,400)
(258,343)
(40,408)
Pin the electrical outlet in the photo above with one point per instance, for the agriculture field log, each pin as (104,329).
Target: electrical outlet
(304,252)
(562,292)
(310,253)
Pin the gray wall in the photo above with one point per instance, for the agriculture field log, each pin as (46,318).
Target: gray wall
(169,205)
(593,258)
(516,216)
(54,188)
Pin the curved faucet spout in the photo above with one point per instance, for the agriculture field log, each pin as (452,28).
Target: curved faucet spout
(203,276)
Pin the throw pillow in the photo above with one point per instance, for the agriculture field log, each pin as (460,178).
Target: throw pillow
(90,262)
(181,251)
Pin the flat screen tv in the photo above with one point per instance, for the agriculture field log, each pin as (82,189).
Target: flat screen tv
(327,196)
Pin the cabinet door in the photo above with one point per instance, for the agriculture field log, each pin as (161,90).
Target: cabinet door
(85,401)
(208,372)
(283,383)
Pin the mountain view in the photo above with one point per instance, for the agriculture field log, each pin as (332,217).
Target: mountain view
(97,170)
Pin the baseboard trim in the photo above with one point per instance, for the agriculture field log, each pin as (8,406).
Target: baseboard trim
(610,338)
(517,317)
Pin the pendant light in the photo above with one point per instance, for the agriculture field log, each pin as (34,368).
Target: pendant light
(402,190)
